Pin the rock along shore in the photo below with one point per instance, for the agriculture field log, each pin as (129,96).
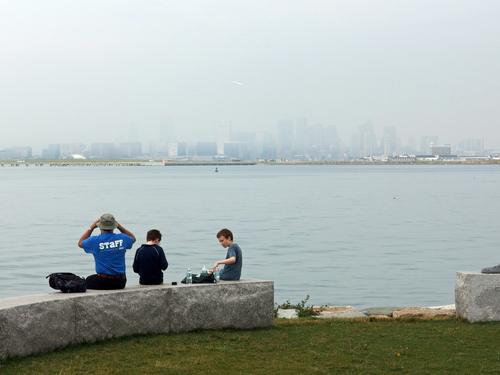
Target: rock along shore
(349,312)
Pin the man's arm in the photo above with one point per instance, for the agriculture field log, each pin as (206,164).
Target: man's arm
(122,229)
(87,233)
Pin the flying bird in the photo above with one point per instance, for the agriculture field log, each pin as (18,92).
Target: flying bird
(238,83)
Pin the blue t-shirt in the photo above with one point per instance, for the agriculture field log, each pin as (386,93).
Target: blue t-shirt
(232,271)
(109,251)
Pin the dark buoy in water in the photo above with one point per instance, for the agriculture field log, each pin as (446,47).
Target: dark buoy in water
(216,170)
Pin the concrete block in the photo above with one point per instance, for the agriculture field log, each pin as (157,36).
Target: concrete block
(477,296)
(39,327)
(41,323)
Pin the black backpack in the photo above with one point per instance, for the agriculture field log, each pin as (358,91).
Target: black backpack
(67,282)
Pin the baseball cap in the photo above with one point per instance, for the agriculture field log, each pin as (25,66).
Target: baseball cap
(107,222)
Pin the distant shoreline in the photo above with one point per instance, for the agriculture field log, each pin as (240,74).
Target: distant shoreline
(215,163)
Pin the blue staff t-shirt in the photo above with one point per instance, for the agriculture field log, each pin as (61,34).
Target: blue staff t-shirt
(109,252)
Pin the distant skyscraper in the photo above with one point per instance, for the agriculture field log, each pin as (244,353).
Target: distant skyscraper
(52,152)
(440,150)
(332,142)
(224,134)
(206,149)
(104,150)
(390,142)
(426,142)
(285,138)
(411,147)
(182,149)
(172,150)
(233,150)
(471,147)
(266,146)
(129,150)
(317,140)
(302,140)
(364,142)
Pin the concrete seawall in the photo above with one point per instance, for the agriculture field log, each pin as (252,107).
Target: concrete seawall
(44,322)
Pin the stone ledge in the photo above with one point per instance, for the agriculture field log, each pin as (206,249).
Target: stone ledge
(477,296)
(374,313)
(44,322)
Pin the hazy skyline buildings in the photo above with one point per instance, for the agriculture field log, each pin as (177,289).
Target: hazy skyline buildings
(293,140)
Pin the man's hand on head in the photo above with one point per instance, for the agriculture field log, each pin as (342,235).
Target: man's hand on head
(94,224)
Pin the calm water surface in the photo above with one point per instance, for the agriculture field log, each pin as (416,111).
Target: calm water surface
(359,235)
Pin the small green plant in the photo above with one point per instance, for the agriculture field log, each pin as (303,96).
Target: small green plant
(303,310)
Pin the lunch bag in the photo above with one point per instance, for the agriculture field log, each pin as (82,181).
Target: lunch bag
(201,279)
(67,282)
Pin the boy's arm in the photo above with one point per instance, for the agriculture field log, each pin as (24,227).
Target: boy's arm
(135,266)
(163,260)
(228,261)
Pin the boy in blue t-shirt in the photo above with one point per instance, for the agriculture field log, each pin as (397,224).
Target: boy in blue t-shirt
(234,258)
(150,260)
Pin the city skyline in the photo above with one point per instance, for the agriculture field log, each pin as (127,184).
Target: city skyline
(168,131)
(227,131)
(290,140)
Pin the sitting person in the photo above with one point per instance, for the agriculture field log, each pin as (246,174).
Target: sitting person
(150,260)
(234,258)
(108,249)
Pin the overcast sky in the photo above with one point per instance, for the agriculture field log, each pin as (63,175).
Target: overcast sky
(113,70)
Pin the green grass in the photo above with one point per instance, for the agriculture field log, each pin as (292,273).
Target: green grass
(293,347)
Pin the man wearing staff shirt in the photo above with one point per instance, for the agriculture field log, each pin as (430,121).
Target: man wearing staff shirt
(108,249)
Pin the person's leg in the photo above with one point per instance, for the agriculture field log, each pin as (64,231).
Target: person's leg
(94,282)
(117,283)
(104,283)
(151,282)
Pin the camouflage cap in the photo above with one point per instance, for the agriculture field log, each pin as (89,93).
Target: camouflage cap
(107,222)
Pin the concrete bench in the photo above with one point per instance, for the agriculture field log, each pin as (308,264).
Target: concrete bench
(477,296)
(44,322)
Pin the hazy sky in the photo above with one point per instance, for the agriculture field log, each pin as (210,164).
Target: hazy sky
(109,70)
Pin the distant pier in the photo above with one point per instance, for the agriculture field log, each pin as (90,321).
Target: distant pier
(219,163)
(120,163)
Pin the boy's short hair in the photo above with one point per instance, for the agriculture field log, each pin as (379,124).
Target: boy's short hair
(226,233)
(153,234)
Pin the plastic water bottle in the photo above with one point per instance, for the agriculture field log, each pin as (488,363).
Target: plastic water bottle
(216,274)
(189,276)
